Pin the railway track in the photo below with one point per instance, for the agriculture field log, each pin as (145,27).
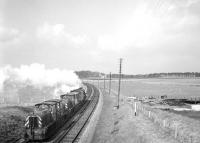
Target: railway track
(71,131)
(73,134)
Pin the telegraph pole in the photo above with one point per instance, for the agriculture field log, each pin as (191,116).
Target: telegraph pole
(110,83)
(120,72)
(98,82)
(104,83)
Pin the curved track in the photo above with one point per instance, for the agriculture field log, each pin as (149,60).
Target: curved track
(71,131)
(72,135)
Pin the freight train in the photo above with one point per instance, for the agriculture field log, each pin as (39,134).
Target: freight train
(49,116)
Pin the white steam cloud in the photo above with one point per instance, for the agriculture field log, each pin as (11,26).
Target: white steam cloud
(35,83)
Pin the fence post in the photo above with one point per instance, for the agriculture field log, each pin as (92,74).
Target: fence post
(155,118)
(163,123)
(6,129)
(191,139)
(149,114)
(176,131)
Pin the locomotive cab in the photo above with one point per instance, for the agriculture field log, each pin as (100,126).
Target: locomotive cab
(55,108)
(59,107)
(72,96)
(35,124)
(80,90)
(67,102)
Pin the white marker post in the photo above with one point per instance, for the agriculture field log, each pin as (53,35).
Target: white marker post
(149,114)
(135,108)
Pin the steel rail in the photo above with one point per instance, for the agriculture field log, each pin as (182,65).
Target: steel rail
(68,125)
(72,135)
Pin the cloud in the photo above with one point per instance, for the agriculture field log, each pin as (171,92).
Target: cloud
(137,29)
(107,42)
(58,36)
(191,2)
(8,34)
(147,26)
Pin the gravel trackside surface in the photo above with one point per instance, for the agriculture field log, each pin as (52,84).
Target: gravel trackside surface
(121,126)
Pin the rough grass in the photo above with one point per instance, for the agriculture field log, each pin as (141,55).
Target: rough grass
(173,88)
(121,126)
(188,128)
(12,120)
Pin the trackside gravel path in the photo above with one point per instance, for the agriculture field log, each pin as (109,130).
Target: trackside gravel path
(121,126)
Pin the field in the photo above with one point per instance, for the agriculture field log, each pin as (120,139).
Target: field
(12,119)
(184,124)
(173,88)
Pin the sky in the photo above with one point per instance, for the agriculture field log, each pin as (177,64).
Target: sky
(150,35)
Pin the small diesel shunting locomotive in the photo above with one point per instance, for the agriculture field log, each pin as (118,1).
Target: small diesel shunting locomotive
(49,116)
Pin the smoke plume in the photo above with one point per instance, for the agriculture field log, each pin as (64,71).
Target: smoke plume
(35,83)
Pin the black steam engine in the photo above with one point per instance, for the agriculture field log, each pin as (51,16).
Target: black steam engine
(49,116)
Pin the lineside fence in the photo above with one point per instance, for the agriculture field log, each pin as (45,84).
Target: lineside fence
(176,128)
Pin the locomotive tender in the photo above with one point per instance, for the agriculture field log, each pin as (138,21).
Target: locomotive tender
(49,116)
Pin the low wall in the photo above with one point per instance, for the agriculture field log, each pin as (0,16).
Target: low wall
(87,135)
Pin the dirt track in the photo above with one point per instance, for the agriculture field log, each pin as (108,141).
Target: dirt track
(121,126)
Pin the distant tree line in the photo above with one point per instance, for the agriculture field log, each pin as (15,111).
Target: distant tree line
(91,74)
(164,75)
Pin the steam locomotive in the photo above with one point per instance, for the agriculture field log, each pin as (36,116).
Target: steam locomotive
(49,116)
